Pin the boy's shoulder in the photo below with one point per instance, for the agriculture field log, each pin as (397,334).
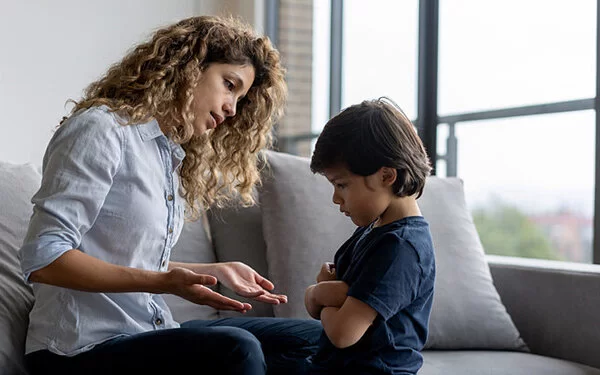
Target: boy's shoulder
(406,234)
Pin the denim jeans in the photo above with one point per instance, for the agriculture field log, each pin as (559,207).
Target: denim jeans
(222,346)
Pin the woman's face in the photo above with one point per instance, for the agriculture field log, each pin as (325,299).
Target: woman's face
(220,87)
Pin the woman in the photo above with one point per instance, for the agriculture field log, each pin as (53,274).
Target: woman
(175,126)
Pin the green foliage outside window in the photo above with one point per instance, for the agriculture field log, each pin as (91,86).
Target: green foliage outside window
(505,230)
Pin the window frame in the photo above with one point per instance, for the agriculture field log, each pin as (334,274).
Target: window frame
(428,119)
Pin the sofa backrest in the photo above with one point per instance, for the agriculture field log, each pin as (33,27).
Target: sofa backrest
(18,183)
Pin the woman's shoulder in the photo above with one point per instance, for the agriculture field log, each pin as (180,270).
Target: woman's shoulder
(96,114)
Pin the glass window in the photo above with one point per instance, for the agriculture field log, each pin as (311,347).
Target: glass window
(321,63)
(303,41)
(529,182)
(509,53)
(380,52)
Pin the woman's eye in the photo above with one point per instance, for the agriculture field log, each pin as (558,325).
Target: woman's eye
(230,86)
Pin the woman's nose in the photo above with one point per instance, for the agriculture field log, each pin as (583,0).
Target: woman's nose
(229,109)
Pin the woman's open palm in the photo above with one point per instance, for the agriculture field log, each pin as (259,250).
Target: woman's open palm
(246,282)
(192,286)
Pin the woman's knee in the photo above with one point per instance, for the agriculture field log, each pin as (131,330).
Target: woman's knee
(244,349)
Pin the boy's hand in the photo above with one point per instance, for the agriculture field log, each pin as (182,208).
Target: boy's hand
(327,272)
(313,309)
(324,294)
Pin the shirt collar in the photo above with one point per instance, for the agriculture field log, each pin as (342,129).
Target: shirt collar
(149,130)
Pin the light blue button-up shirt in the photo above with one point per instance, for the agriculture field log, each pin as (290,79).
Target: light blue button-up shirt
(110,191)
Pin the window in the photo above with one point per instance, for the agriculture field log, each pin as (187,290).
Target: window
(508,104)
(379,53)
(510,53)
(529,182)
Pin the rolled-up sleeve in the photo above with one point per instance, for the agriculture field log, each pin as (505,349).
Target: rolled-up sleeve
(80,163)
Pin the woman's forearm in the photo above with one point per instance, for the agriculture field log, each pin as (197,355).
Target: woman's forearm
(77,270)
(203,268)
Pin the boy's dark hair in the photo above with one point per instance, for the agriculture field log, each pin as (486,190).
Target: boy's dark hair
(370,135)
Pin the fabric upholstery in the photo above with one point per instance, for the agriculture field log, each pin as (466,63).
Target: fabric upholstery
(303,228)
(481,362)
(554,304)
(237,236)
(467,311)
(18,183)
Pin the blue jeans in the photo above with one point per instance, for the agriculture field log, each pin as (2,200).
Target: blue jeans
(222,346)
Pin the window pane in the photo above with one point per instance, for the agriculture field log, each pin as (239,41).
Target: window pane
(507,53)
(529,182)
(321,61)
(380,52)
(303,40)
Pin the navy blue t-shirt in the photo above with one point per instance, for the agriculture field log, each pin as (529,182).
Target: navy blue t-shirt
(392,269)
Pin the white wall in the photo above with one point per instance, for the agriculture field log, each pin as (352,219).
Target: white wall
(50,50)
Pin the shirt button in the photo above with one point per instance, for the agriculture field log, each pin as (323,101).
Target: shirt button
(158,321)
(170,230)
(164,262)
(170,197)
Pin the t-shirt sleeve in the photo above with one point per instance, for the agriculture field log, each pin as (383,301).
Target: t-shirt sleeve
(78,170)
(389,279)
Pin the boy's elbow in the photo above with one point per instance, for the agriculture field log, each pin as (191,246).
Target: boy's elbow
(342,339)
(340,335)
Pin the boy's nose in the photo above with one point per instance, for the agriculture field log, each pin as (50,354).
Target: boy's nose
(336,199)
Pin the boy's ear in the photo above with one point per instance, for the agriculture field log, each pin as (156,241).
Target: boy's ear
(389,175)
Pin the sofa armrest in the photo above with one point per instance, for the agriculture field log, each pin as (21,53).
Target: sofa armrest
(555,305)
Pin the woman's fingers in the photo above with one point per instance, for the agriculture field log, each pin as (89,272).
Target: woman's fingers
(274,299)
(268,285)
(219,301)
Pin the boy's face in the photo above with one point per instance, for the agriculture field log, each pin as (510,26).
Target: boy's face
(364,199)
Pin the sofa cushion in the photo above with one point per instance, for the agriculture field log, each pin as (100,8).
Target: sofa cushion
(459,362)
(193,246)
(17,186)
(467,311)
(236,233)
(303,228)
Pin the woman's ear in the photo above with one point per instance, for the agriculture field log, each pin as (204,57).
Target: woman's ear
(389,175)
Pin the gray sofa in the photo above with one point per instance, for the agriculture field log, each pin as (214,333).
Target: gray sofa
(491,315)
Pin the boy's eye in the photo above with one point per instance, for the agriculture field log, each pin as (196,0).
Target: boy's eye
(340,186)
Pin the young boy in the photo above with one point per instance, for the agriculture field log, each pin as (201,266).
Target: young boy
(374,302)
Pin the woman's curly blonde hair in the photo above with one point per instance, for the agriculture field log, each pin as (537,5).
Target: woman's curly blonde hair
(157,79)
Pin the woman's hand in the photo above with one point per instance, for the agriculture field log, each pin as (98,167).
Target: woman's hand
(246,282)
(191,286)
(327,272)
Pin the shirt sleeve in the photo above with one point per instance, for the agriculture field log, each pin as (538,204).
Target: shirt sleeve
(389,279)
(80,162)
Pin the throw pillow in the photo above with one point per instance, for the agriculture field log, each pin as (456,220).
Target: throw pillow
(17,185)
(301,226)
(467,311)
(237,236)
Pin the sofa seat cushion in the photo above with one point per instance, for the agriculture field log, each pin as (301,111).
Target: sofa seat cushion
(475,362)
